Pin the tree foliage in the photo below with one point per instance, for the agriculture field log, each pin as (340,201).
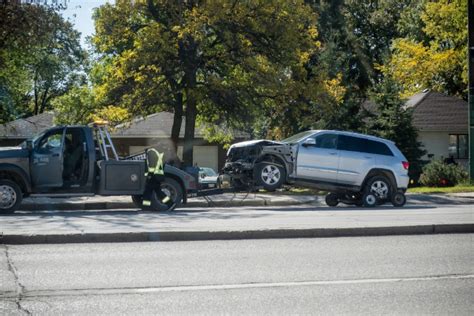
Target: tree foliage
(392,120)
(435,58)
(219,61)
(40,58)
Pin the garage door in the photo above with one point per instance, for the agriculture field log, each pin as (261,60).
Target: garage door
(206,156)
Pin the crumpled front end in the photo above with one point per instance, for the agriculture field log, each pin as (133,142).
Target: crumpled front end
(243,157)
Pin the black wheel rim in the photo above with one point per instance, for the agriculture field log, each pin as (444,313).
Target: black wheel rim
(370,199)
(398,199)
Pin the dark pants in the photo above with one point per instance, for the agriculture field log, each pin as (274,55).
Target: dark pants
(153,183)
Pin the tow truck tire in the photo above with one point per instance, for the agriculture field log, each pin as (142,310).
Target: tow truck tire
(269,176)
(332,199)
(170,187)
(10,196)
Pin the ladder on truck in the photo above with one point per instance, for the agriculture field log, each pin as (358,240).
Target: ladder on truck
(104,140)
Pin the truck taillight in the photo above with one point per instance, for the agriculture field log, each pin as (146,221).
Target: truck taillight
(406,165)
(191,182)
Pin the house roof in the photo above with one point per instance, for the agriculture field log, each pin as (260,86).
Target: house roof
(159,125)
(27,127)
(434,112)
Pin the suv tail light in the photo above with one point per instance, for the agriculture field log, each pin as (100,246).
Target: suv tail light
(406,165)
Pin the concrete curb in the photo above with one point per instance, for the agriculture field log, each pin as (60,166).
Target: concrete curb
(236,235)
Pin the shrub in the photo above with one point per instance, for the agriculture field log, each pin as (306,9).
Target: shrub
(439,174)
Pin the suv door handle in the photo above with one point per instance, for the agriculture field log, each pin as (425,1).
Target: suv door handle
(55,155)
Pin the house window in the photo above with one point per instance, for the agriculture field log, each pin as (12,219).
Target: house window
(458,146)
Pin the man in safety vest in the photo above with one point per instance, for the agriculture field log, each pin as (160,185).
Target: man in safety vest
(155,175)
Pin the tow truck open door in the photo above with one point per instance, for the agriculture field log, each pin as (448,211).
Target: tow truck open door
(47,162)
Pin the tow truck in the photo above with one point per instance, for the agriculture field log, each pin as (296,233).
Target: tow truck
(73,161)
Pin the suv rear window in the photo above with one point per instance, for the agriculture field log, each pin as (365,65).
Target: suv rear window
(375,147)
(363,145)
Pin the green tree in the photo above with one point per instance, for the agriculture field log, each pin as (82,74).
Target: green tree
(79,106)
(435,59)
(392,120)
(355,37)
(40,58)
(219,61)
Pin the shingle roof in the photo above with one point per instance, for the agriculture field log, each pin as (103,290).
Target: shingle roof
(434,112)
(159,125)
(27,127)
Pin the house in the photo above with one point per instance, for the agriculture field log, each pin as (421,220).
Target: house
(442,124)
(155,131)
(14,132)
(131,138)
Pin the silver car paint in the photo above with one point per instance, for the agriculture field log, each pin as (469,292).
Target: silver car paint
(348,167)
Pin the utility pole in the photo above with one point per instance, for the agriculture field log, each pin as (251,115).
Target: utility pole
(470,45)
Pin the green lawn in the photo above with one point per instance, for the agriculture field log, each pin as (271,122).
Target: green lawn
(455,189)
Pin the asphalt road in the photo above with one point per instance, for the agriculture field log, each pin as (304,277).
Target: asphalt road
(367,275)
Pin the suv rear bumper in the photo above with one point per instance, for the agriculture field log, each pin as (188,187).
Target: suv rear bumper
(403,181)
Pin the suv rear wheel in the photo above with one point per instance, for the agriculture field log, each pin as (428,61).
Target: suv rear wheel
(377,187)
(10,196)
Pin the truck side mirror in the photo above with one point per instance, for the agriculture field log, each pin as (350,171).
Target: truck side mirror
(309,142)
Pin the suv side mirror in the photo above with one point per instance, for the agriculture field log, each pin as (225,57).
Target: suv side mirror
(309,142)
(29,144)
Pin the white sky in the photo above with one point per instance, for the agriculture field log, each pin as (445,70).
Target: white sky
(79,12)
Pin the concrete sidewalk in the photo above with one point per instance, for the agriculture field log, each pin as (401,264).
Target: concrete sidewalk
(224,200)
(125,202)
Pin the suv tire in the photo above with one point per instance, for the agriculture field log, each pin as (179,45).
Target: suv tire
(269,176)
(10,196)
(380,187)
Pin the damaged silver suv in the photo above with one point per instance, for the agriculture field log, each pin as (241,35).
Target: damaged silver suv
(355,168)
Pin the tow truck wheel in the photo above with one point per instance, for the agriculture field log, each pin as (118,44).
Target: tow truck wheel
(10,196)
(369,199)
(332,199)
(170,187)
(398,199)
(269,176)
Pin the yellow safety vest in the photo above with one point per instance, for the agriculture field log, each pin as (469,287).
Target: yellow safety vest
(154,161)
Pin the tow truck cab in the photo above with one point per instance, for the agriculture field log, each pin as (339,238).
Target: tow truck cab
(74,160)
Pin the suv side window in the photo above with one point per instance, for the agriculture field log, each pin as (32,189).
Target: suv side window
(350,143)
(327,141)
(363,145)
(375,147)
(51,141)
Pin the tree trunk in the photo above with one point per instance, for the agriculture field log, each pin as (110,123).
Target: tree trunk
(177,120)
(44,100)
(188,54)
(191,114)
(35,88)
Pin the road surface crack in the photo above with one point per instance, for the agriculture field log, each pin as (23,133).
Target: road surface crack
(20,288)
